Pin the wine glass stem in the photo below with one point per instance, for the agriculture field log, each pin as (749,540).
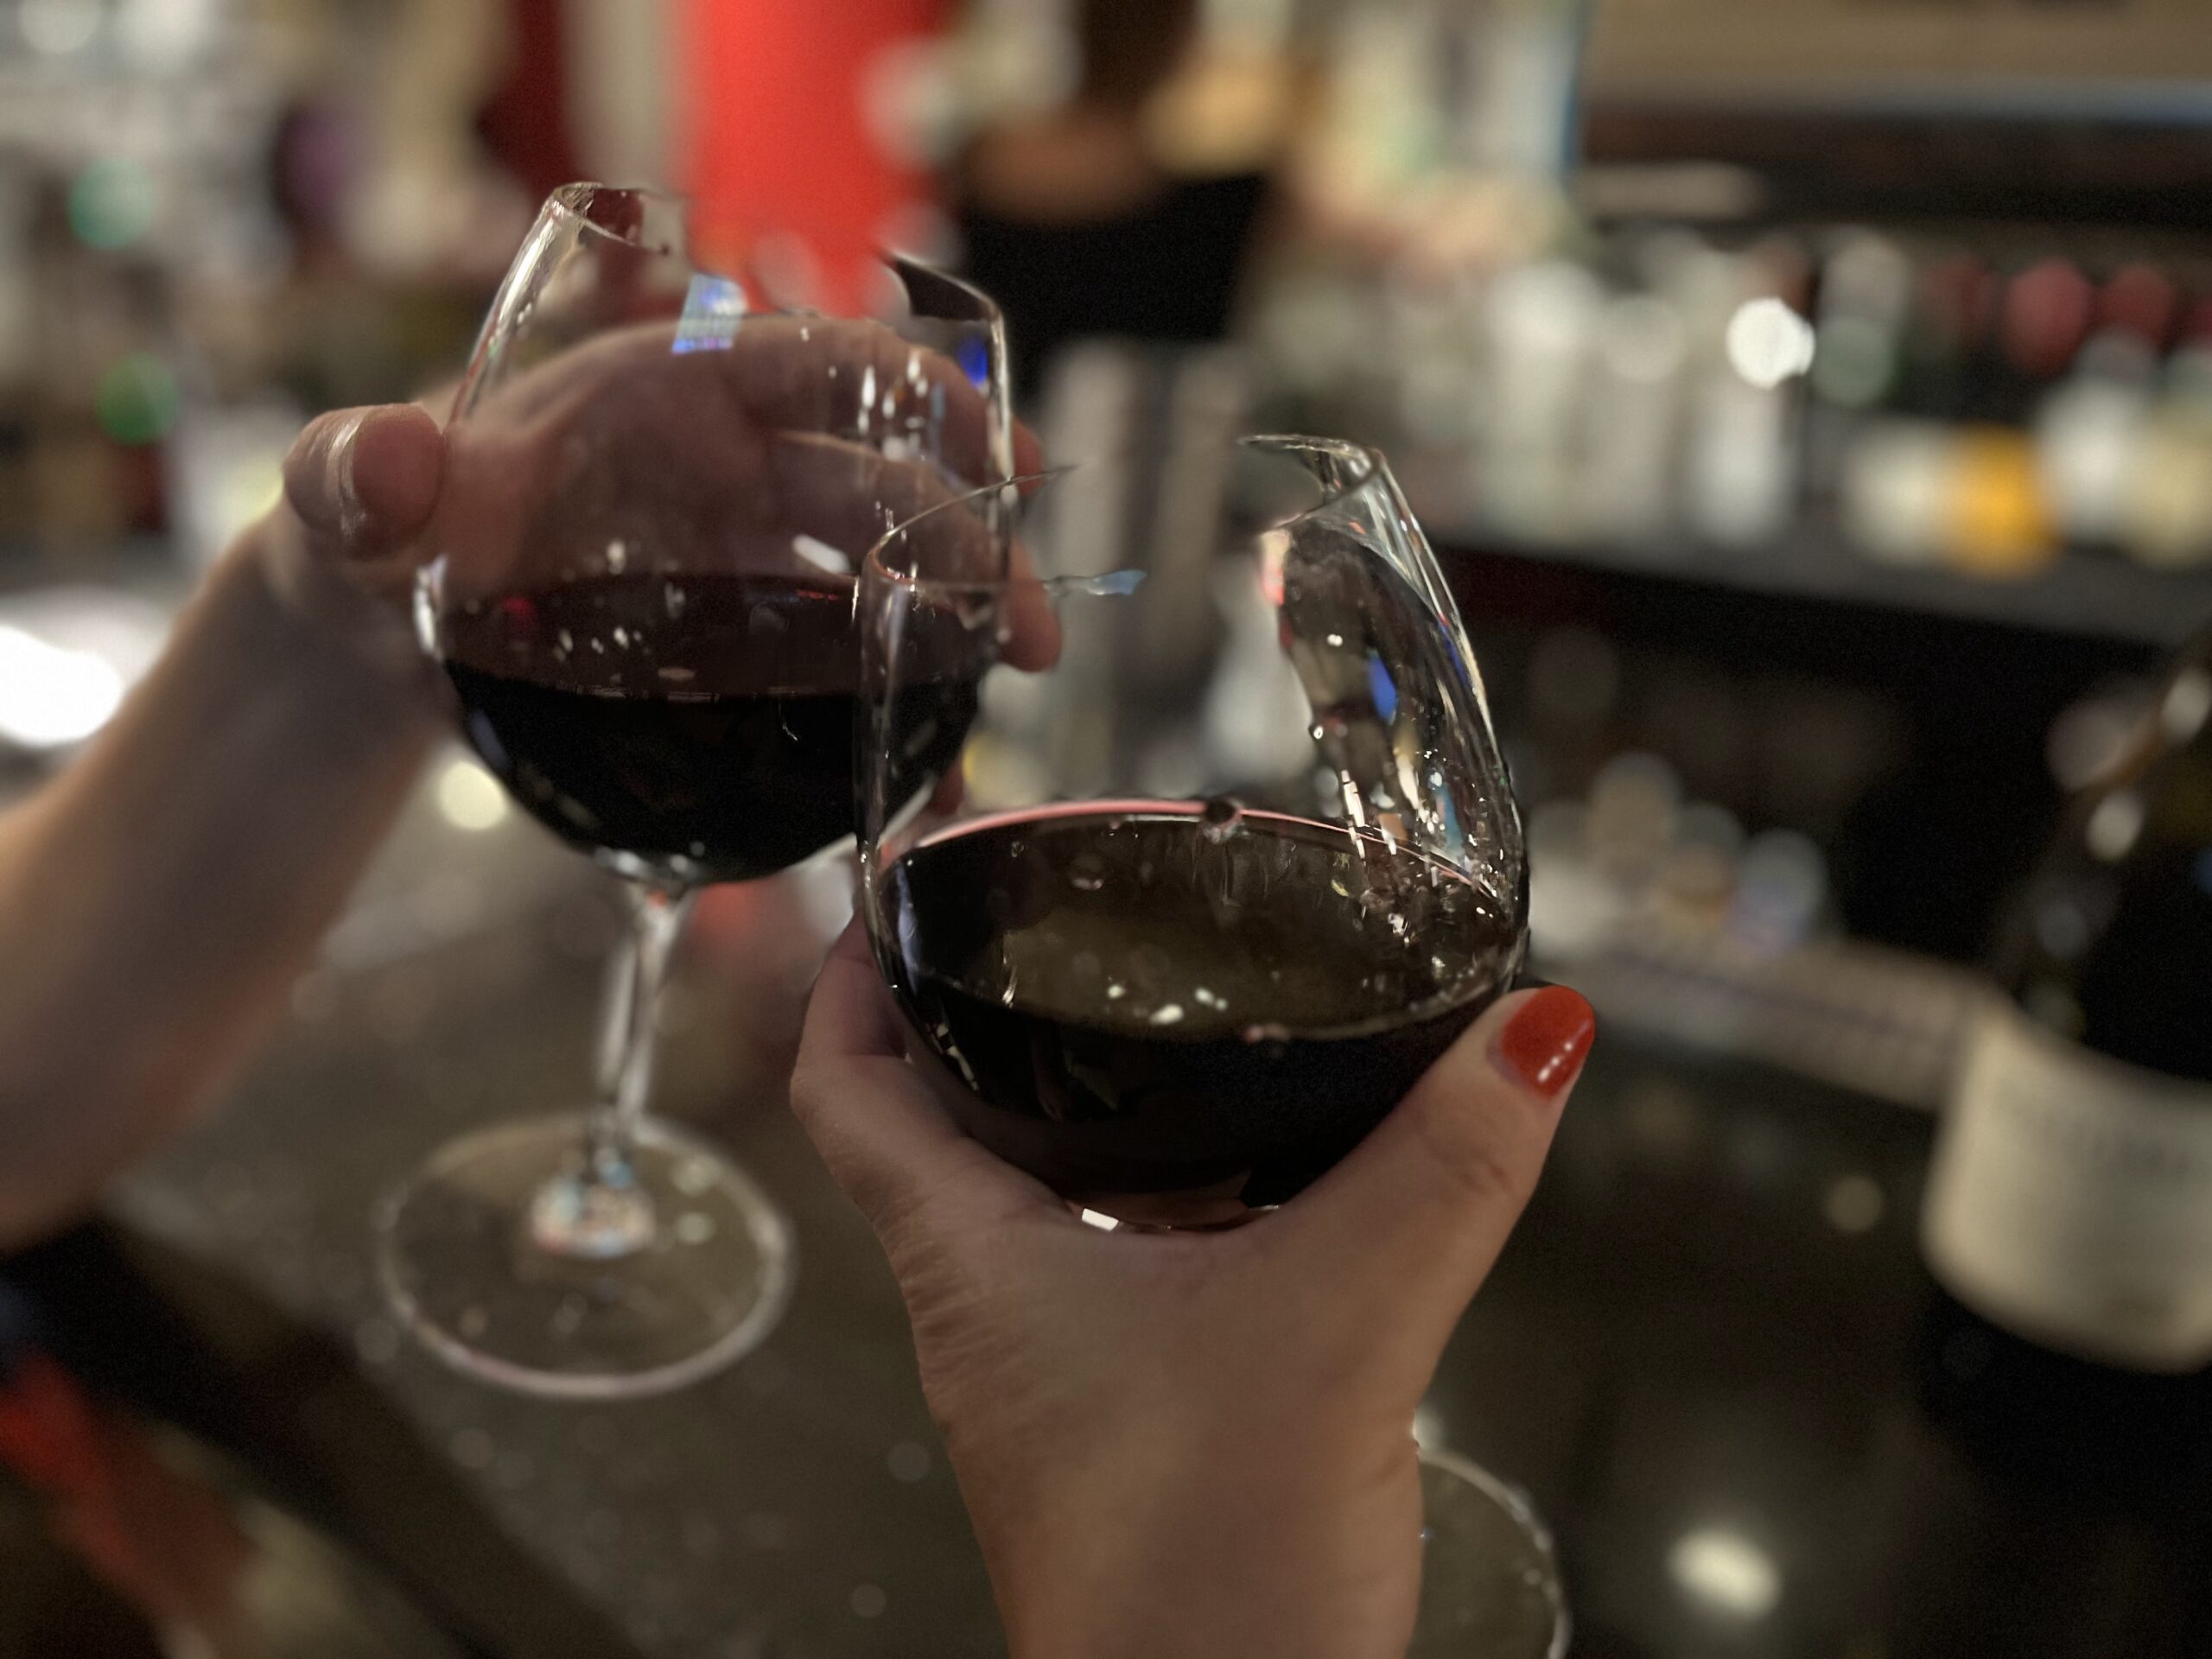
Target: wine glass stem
(657,916)
(596,1210)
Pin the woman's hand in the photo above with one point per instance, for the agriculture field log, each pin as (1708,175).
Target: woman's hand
(788,435)
(157,899)
(1190,1444)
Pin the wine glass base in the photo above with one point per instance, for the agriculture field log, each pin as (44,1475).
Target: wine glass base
(1490,1583)
(461,1255)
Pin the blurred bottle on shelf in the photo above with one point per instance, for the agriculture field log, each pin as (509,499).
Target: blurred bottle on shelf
(131,136)
(2022,332)
(1699,880)
(1634,803)
(1865,300)
(1743,467)
(2068,1212)
(1997,522)
(1637,372)
(2089,437)
(1982,400)
(1542,321)
(2165,512)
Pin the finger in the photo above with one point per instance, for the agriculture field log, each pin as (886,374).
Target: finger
(870,1113)
(962,544)
(848,497)
(859,381)
(850,1015)
(1030,627)
(1410,1223)
(363,480)
(844,377)
(1028,451)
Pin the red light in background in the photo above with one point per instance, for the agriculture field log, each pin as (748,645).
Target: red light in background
(778,137)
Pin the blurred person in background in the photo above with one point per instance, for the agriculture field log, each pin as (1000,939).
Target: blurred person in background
(1083,223)
(1186,1444)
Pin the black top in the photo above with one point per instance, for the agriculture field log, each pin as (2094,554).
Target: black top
(1165,270)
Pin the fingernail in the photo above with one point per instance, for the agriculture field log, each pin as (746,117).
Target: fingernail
(1547,1039)
(352,515)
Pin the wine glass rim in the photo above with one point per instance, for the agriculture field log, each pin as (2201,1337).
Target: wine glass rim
(571,201)
(1367,459)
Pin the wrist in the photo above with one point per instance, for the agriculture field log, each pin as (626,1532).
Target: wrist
(1279,1558)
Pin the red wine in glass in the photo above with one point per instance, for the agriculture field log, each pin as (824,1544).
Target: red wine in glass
(659,474)
(1157,996)
(691,729)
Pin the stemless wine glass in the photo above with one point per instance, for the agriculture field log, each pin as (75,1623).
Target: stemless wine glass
(657,497)
(1227,869)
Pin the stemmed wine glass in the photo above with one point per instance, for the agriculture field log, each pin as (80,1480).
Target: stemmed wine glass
(657,494)
(1222,880)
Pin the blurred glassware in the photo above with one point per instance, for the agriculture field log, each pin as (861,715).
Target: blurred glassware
(1634,800)
(2166,515)
(1574,909)
(1698,880)
(1542,322)
(1782,891)
(1865,302)
(2088,433)
(1894,488)
(1633,438)
(1741,476)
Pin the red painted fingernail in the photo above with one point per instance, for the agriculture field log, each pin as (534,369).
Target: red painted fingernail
(1547,1039)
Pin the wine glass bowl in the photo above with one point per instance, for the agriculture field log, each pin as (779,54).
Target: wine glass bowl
(657,497)
(1228,872)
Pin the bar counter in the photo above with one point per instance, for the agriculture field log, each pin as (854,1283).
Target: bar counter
(1705,1355)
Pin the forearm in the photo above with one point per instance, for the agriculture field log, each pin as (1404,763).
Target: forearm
(1215,1598)
(157,898)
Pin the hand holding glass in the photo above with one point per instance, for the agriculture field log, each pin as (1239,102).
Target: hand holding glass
(657,496)
(1231,860)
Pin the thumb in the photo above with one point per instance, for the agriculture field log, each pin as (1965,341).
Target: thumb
(1412,1221)
(362,482)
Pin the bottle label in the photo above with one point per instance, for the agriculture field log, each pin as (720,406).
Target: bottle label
(2070,1199)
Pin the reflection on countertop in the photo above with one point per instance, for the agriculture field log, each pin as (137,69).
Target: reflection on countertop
(1708,1353)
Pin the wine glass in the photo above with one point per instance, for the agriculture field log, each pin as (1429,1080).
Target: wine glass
(657,494)
(1227,868)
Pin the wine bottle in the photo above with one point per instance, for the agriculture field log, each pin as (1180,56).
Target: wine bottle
(2069,1202)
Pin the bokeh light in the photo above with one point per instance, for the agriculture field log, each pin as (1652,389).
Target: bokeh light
(51,697)
(1725,1571)
(469,797)
(111,203)
(1768,343)
(138,400)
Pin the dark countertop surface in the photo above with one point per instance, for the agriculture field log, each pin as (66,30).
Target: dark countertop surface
(1701,1355)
